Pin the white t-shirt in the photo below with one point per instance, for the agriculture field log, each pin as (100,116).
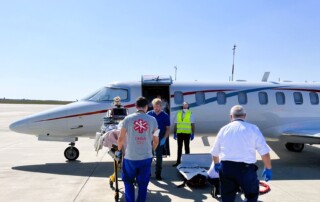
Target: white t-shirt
(238,141)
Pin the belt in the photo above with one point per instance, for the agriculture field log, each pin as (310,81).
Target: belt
(239,164)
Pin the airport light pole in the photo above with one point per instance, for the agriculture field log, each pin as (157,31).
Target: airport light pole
(234,52)
(175,72)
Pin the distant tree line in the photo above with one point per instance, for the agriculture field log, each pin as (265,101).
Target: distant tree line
(27,101)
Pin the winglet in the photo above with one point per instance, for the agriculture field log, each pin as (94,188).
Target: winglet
(265,77)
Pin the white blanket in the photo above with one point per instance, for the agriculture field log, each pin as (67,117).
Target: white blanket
(191,170)
(194,164)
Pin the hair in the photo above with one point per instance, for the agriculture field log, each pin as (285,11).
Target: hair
(141,102)
(237,111)
(185,103)
(156,101)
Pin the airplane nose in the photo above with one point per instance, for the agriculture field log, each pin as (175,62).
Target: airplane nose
(19,126)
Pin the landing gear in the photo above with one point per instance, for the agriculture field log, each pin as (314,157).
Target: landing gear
(71,153)
(295,147)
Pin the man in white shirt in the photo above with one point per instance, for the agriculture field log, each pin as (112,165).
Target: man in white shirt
(234,155)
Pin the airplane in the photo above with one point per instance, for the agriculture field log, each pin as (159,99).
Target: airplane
(282,110)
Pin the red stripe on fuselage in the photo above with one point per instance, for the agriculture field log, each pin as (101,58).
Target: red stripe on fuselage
(83,114)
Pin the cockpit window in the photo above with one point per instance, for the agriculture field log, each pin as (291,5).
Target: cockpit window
(107,94)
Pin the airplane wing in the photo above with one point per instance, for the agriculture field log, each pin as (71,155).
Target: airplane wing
(302,136)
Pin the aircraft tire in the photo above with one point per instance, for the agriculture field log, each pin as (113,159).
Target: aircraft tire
(295,147)
(71,153)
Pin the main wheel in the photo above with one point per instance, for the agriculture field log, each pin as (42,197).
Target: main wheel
(295,147)
(71,153)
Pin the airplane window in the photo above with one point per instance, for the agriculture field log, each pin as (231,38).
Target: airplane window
(178,97)
(200,98)
(263,98)
(107,94)
(281,100)
(314,98)
(221,98)
(298,98)
(242,98)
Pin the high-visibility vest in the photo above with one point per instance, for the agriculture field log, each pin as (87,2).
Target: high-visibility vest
(184,125)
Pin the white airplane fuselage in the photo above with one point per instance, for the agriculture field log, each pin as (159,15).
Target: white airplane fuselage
(276,108)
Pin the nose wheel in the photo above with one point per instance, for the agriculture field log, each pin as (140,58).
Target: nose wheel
(71,153)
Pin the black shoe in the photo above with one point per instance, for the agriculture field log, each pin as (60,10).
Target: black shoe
(175,165)
(158,177)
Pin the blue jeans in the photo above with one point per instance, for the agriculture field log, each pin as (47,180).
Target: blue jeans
(139,170)
(236,174)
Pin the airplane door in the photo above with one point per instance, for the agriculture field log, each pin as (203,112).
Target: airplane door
(153,86)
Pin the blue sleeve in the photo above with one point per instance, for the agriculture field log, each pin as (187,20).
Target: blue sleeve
(150,113)
(167,122)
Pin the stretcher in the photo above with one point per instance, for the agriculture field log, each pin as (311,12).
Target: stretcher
(197,166)
(108,137)
(116,166)
(194,168)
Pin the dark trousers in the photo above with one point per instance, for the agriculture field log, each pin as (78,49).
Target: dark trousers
(183,138)
(159,160)
(236,174)
(139,170)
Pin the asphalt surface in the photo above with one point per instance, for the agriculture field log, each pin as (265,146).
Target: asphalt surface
(32,170)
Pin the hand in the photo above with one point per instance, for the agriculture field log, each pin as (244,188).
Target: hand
(192,136)
(217,167)
(118,154)
(162,141)
(175,136)
(267,174)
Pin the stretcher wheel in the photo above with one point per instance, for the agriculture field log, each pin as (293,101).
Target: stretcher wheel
(116,196)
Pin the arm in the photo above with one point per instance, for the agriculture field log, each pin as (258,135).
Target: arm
(175,129)
(266,160)
(193,128)
(216,159)
(155,140)
(122,136)
(166,135)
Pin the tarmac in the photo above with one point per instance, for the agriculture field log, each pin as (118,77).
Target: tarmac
(32,170)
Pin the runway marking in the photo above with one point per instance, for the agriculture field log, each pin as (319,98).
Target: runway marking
(205,141)
(93,170)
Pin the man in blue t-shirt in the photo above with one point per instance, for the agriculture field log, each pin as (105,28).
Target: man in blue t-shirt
(163,120)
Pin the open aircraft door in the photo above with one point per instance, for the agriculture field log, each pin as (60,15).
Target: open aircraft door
(158,85)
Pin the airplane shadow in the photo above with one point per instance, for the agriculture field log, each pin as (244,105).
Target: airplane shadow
(291,166)
(76,168)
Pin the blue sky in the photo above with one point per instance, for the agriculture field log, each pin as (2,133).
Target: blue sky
(67,49)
